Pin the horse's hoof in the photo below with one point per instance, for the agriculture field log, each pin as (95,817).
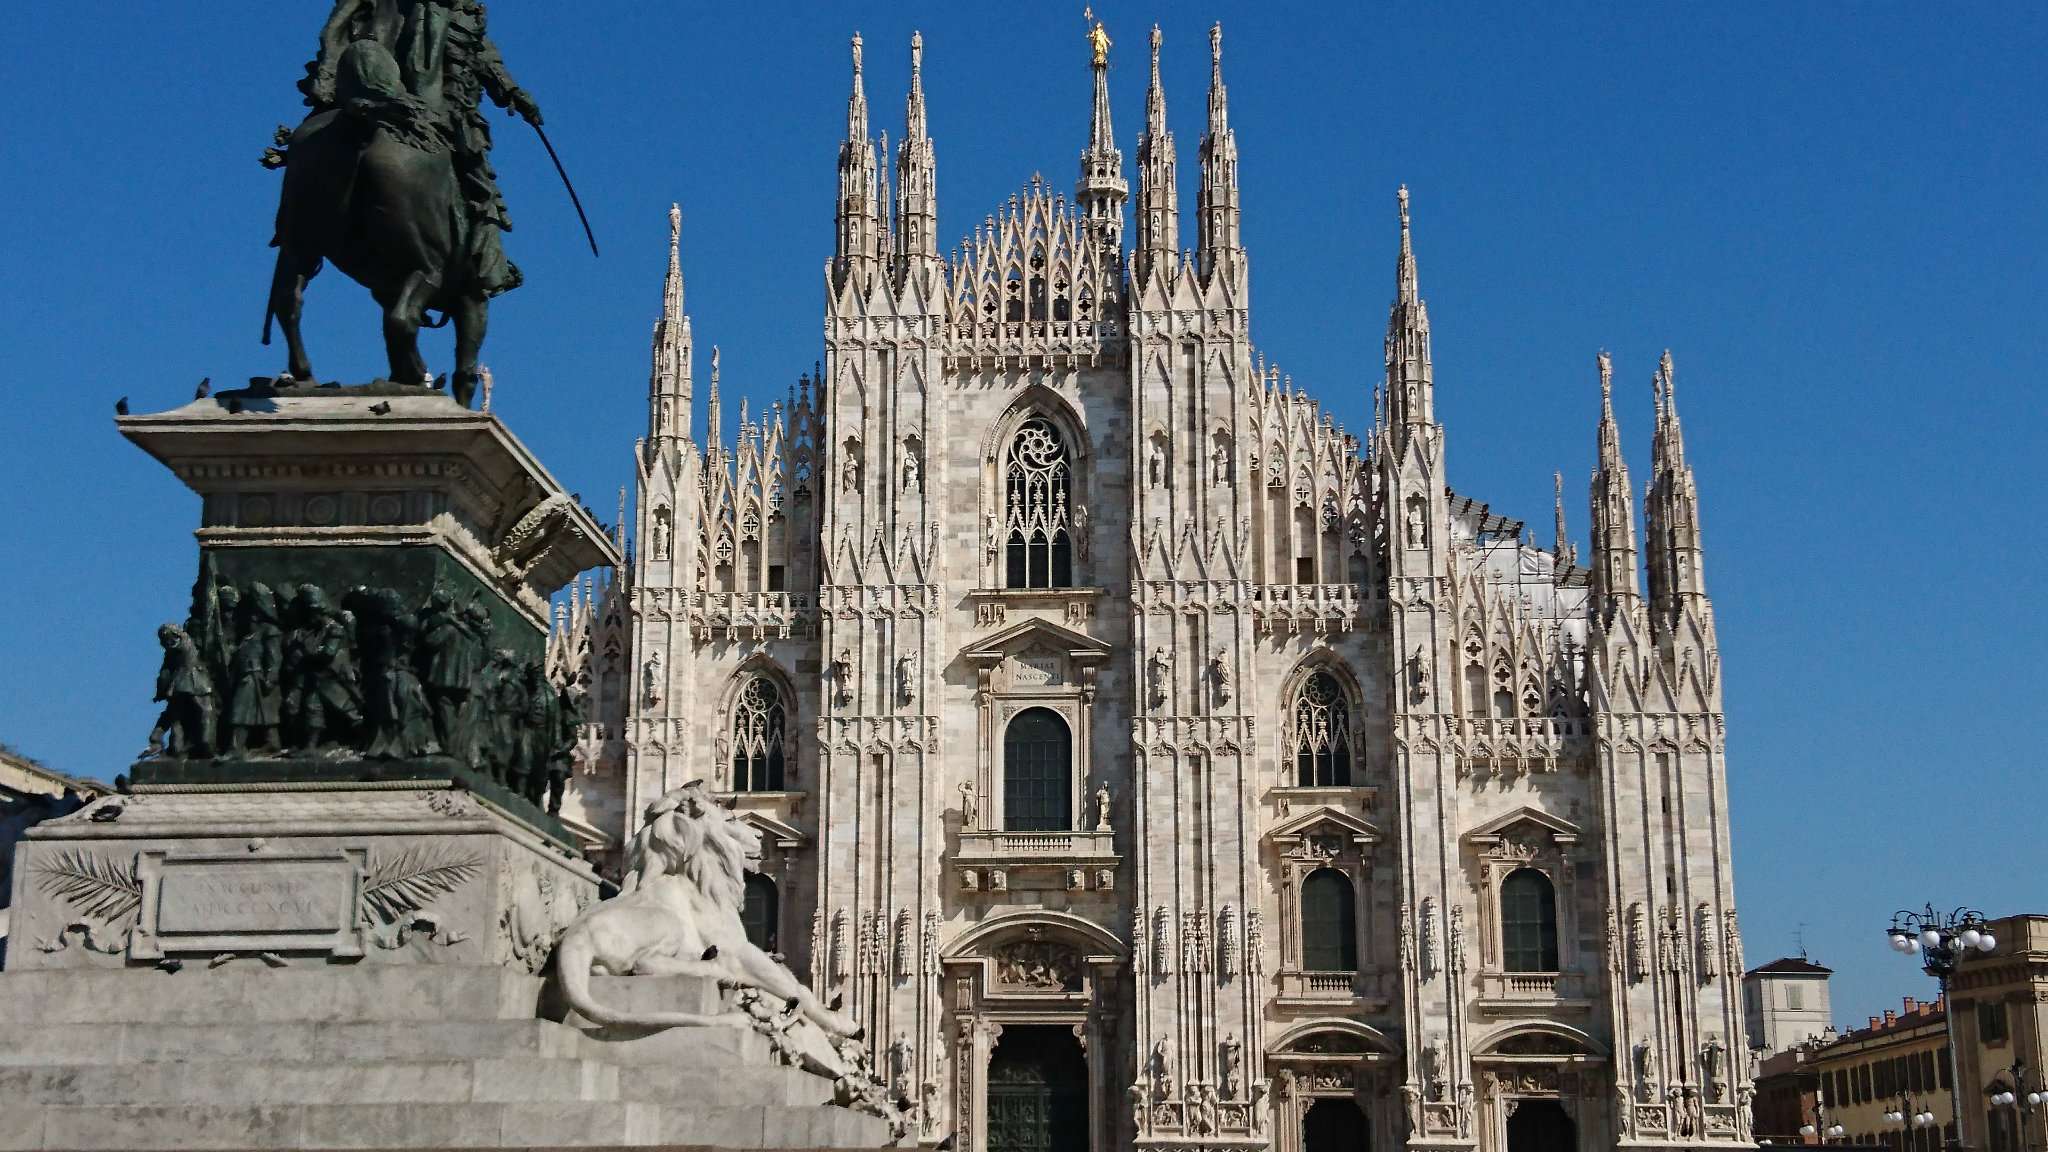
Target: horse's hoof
(711,953)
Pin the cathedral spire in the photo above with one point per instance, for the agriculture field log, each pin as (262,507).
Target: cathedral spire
(1615,587)
(714,413)
(917,197)
(1671,514)
(1411,389)
(1102,189)
(1218,211)
(1561,548)
(1158,199)
(859,213)
(668,385)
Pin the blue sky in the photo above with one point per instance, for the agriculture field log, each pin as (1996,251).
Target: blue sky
(1832,215)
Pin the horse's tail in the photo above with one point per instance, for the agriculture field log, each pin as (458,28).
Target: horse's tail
(573,959)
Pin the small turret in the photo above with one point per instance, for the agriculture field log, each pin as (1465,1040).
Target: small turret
(1671,514)
(1411,389)
(917,197)
(668,385)
(1220,246)
(1615,587)
(859,234)
(1158,197)
(1102,190)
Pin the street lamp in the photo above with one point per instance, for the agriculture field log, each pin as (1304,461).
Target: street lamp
(1820,1126)
(1941,940)
(1906,1115)
(2023,1106)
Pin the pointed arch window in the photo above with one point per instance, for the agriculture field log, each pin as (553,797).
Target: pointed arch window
(759,721)
(1329,923)
(1321,733)
(1038,757)
(1528,922)
(1037,484)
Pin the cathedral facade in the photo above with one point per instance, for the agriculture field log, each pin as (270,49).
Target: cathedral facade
(1143,759)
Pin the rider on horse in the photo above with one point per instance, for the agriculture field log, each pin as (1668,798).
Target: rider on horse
(418,68)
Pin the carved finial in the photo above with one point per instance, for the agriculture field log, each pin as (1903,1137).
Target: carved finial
(1216,46)
(1557,500)
(1670,377)
(675,230)
(1606,382)
(1407,288)
(856,56)
(916,56)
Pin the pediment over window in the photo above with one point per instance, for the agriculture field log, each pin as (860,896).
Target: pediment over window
(773,831)
(1524,831)
(1324,828)
(1036,654)
(1037,634)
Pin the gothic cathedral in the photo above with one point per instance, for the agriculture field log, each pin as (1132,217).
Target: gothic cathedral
(1146,761)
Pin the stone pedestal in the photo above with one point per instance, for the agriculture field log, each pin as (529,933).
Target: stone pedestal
(384,485)
(379,499)
(295,877)
(244,1056)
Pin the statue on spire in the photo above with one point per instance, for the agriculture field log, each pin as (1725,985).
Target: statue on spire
(1098,39)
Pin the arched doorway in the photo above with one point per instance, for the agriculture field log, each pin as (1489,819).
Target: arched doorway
(1541,1126)
(1333,1125)
(1037,1091)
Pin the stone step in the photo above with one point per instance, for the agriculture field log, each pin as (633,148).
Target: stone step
(243,993)
(236,1083)
(191,1128)
(292,1040)
(638,996)
(683,1085)
(712,1048)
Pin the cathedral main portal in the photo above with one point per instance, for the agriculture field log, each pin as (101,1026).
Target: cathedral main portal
(1037,1091)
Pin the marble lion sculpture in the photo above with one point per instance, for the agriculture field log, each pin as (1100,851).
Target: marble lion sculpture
(678,914)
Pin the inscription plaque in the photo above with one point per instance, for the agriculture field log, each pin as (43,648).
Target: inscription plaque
(220,902)
(271,896)
(1036,670)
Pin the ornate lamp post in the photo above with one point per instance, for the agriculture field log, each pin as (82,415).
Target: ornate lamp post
(1907,1115)
(1820,1126)
(1941,940)
(2023,1106)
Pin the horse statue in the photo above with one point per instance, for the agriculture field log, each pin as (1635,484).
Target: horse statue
(389,179)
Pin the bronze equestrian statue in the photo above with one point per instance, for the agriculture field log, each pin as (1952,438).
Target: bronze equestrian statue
(389,177)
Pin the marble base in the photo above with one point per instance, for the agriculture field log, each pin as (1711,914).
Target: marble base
(245,1056)
(295,876)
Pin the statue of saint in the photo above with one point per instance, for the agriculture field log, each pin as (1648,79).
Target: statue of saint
(1098,44)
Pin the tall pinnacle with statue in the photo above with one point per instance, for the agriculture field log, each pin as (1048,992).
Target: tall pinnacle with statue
(390,179)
